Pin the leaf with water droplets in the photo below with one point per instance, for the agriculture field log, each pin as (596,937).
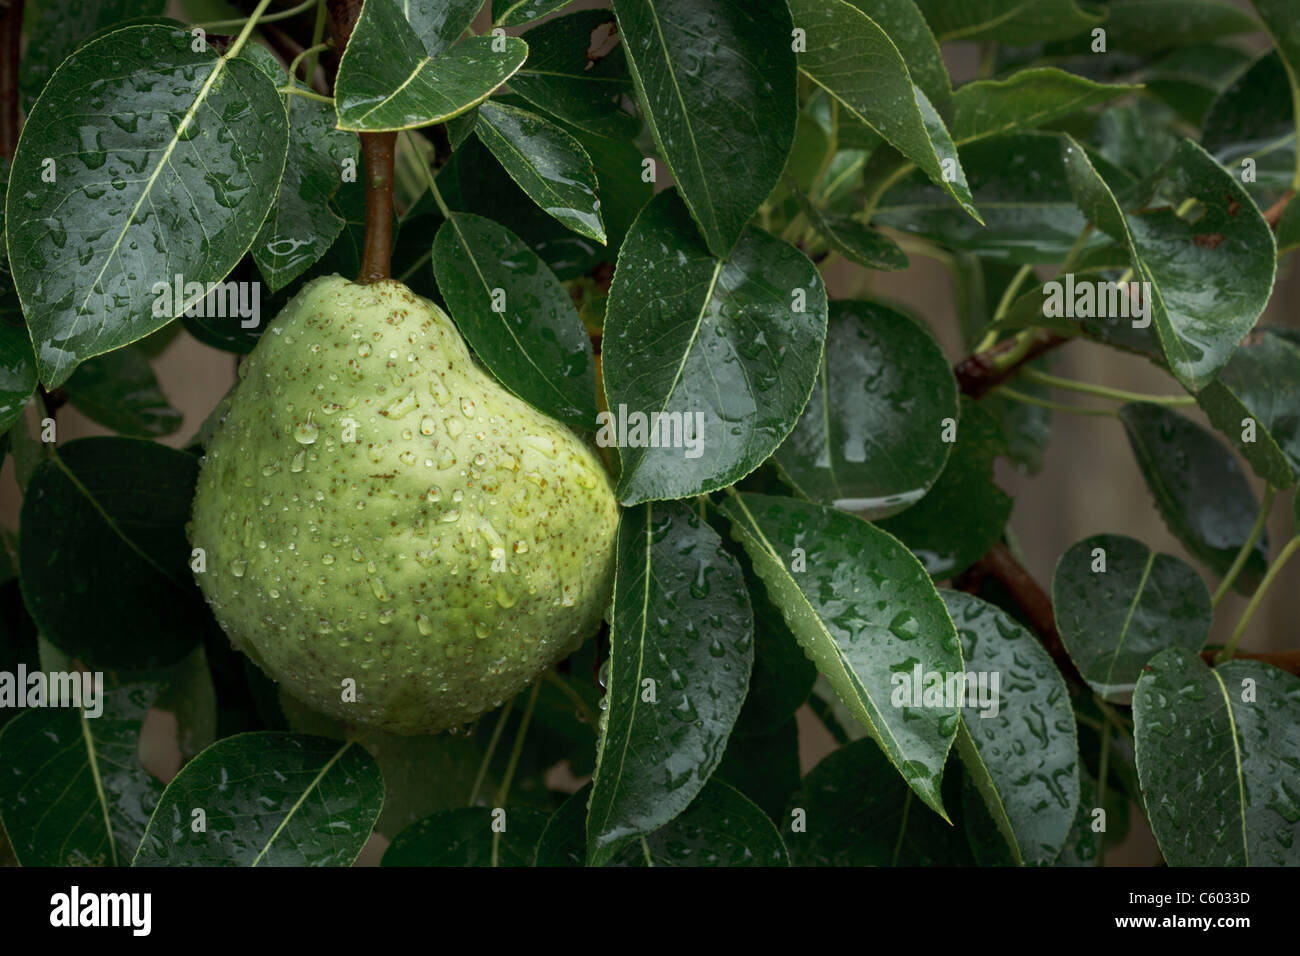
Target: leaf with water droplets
(392,77)
(681,652)
(1024,100)
(1280,20)
(167,162)
(1216,754)
(721,827)
(1007,21)
(104,556)
(577,71)
(866,612)
(269,799)
(858,812)
(1118,607)
(963,514)
(516,316)
(693,65)
(74,792)
(848,237)
(1253,119)
(17,373)
(1257,397)
(118,389)
(547,163)
(509,13)
(716,356)
(871,437)
(1017,739)
(470,836)
(1199,489)
(854,60)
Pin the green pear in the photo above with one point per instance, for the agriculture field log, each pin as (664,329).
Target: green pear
(388,532)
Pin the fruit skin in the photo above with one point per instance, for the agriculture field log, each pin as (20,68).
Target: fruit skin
(459,545)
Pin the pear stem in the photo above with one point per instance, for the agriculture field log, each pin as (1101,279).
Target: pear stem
(377,259)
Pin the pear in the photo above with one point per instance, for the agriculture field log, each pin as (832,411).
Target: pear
(386,531)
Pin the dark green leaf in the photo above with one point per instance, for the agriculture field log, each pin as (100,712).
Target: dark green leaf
(118,390)
(547,163)
(717,85)
(1280,20)
(162,128)
(104,556)
(1198,487)
(870,439)
(681,651)
(1252,125)
(1024,100)
(902,20)
(509,13)
(873,84)
(864,610)
(730,345)
(74,793)
(267,799)
(765,767)
(1142,25)
(516,316)
(851,239)
(1007,21)
(1018,739)
(1117,608)
(1216,756)
(963,514)
(470,836)
(17,373)
(1190,78)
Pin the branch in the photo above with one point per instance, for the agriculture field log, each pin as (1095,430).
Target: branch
(1274,212)
(11,28)
(981,372)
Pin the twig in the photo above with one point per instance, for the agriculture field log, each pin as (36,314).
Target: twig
(1273,214)
(982,371)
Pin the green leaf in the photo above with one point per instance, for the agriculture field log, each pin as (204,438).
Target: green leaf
(1284,27)
(681,651)
(439,23)
(864,610)
(721,827)
(17,630)
(392,78)
(1117,603)
(268,799)
(1018,742)
(1260,384)
(470,836)
(302,224)
(1190,78)
(730,345)
(17,373)
(118,390)
(514,12)
(693,67)
(1216,757)
(859,813)
(547,163)
(517,317)
(902,20)
(1007,21)
(873,84)
(1199,489)
(1253,120)
(161,128)
(1143,25)
(870,439)
(964,513)
(60,26)
(104,556)
(574,73)
(1210,278)
(850,238)
(764,767)
(1024,100)
(74,793)
(1018,182)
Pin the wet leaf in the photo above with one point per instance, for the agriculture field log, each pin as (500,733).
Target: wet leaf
(74,792)
(730,345)
(681,651)
(1118,608)
(1216,757)
(764,767)
(1254,119)
(870,439)
(1007,21)
(547,163)
(902,20)
(1199,489)
(864,610)
(854,241)
(268,799)
(964,513)
(1025,100)
(118,390)
(1017,739)
(1280,20)
(873,84)
(516,316)
(692,65)
(17,373)
(509,13)
(162,128)
(470,836)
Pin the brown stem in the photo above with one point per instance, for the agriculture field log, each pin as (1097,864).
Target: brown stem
(978,373)
(1288,661)
(1274,213)
(376,263)
(11,28)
